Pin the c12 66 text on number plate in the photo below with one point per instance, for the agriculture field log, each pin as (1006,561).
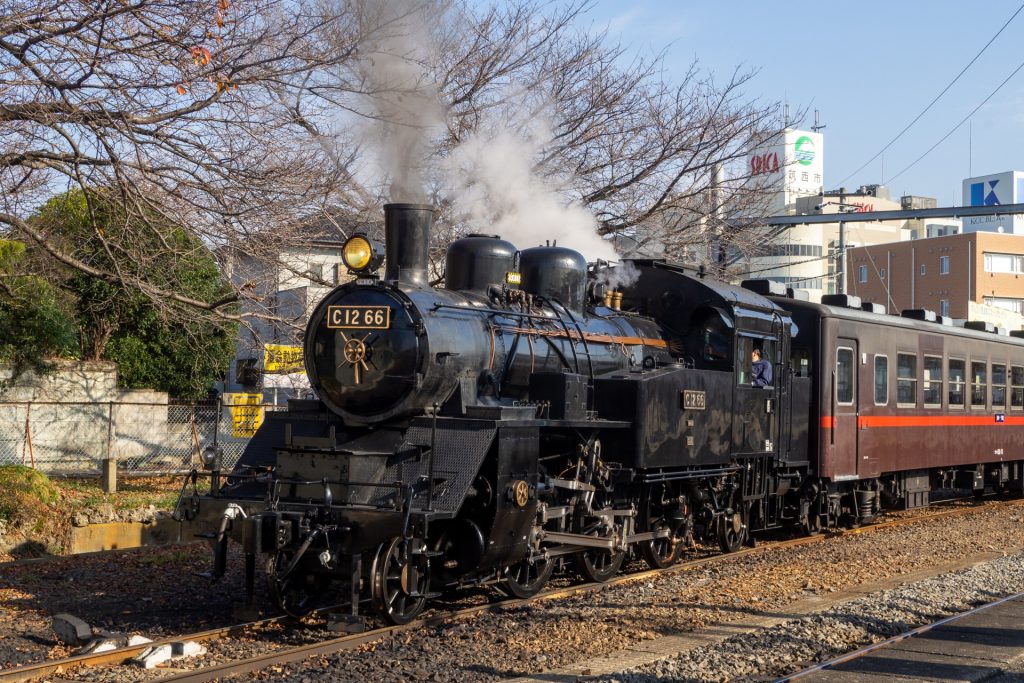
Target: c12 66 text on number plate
(359,317)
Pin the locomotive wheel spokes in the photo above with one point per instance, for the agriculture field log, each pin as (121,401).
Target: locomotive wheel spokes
(296,594)
(526,579)
(732,530)
(400,583)
(599,565)
(665,552)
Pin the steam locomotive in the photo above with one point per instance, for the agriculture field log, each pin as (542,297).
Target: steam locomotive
(537,412)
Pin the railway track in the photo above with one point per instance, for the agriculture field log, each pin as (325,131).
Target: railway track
(31,672)
(868,649)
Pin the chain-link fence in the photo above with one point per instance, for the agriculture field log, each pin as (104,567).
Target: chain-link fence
(73,438)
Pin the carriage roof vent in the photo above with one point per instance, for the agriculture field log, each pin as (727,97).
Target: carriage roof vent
(980,326)
(943,320)
(842,300)
(1019,334)
(919,314)
(872,307)
(798,294)
(764,287)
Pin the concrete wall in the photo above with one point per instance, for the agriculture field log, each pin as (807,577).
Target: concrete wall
(76,416)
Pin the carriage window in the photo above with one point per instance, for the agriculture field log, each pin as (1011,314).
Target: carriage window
(998,385)
(1017,387)
(881,380)
(906,379)
(932,389)
(979,384)
(956,383)
(844,375)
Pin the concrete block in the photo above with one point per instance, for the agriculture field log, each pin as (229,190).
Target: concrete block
(920,665)
(71,630)
(189,648)
(1000,645)
(101,645)
(153,657)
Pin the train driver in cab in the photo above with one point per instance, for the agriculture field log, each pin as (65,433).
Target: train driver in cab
(760,370)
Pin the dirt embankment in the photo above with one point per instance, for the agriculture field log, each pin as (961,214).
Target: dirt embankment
(37,513)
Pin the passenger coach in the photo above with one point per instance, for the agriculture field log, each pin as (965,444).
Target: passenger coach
(902,405)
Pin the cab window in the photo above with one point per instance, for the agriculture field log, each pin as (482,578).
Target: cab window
(800,360)
(745,347)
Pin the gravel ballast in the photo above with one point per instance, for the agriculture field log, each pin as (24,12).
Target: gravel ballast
(798,644)
(156,594)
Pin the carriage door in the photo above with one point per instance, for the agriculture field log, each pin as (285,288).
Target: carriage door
(844,409)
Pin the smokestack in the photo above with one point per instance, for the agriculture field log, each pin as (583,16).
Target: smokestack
(406,242)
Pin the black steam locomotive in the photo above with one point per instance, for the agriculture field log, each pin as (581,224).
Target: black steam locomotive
(529,416)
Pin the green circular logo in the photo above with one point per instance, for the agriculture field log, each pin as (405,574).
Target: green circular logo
(804,148)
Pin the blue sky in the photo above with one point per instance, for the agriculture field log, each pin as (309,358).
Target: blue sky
(870,67)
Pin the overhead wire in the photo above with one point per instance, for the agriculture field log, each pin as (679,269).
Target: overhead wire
(936,98)
(957,126)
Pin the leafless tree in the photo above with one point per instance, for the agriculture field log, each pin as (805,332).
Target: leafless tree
(233,120)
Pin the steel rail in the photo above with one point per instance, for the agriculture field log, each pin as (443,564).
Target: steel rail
(352,642)
(849,656)
(31,672)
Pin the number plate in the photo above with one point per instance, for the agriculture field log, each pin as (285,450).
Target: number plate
(694,400)
(358,317)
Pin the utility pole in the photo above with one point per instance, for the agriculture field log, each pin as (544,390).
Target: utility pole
(841,249)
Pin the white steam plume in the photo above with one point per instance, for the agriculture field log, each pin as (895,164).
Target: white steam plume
(397,43)
(621,275)
(496,190)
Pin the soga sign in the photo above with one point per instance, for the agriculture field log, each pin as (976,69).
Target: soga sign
(768,162)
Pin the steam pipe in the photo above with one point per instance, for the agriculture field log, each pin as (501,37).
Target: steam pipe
(407,242)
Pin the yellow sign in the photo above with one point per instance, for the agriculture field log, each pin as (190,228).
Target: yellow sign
(280,359)
(246,413)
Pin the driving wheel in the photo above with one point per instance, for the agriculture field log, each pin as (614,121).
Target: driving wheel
(400,582)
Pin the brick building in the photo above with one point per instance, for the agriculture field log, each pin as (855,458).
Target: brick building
(973,276)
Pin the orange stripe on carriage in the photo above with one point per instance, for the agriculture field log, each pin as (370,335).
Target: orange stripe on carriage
(889,421)
(875,421)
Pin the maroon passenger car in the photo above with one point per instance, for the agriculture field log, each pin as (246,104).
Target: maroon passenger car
(904,404)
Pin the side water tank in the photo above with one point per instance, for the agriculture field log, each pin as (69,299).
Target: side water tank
(555,273)
(475,262)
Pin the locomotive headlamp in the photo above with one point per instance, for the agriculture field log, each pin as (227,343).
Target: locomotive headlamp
(361,254)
